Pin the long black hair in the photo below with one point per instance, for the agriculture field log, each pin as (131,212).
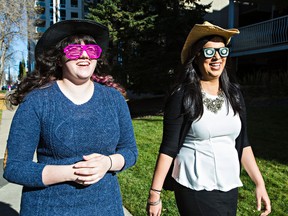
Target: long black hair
(188,81)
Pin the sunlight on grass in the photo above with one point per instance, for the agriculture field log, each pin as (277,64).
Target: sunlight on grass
(135,182)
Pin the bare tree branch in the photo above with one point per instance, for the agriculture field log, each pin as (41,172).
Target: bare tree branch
(16,23)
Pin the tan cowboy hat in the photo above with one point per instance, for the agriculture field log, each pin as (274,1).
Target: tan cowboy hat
(202,30)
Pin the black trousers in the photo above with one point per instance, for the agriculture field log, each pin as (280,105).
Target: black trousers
(206,203)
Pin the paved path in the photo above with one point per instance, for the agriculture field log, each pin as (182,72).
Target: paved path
(10,194)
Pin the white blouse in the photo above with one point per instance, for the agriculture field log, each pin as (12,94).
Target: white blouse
(208,159)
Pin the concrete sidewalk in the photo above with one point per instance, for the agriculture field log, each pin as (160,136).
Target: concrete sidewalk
(10,194)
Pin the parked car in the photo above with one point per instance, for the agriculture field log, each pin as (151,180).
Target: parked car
(4,88)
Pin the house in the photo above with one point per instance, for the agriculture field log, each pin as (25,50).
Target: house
(260,51)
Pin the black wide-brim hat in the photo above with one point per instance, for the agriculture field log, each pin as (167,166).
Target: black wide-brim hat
(63,29)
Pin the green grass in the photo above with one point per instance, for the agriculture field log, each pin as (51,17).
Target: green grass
(267,134)
(135,182)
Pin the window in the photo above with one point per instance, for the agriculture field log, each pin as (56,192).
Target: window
(74,15)
(63,14)
(51,14)
(62,3)
(74,3)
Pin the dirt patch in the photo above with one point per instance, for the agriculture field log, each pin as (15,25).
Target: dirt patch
(2,101)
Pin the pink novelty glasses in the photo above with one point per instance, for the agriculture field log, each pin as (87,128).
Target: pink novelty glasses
(75,51)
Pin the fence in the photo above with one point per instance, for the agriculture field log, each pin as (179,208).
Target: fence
(270,35)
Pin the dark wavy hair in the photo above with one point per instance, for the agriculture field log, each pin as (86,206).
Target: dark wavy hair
(188,81)
(48,69)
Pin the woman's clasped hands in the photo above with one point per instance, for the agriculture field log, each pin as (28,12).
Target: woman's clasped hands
(92,169)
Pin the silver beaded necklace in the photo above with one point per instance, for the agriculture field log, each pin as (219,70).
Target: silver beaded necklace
(214,105)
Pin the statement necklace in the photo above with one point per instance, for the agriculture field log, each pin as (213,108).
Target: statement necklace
(214,105)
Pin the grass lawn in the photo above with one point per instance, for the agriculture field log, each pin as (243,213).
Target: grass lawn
(267,133)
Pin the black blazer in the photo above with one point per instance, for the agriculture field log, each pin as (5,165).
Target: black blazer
(176,126)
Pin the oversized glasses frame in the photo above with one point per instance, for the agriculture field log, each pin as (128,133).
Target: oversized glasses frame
(75,51)
(210,52)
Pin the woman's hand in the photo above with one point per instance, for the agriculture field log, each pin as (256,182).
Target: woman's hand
(262,197)
(250,165)
(154,204)
(92,169)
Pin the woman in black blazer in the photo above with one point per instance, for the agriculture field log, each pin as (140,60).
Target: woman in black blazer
(204,136)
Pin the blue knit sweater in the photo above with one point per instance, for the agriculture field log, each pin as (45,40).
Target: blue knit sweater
(61,133)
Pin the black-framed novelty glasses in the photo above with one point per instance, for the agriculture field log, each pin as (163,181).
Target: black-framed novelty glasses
(210,52)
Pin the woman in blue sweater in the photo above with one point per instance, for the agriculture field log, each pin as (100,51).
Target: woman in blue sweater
(78,124)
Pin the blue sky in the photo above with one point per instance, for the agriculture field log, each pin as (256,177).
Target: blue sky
(20,49)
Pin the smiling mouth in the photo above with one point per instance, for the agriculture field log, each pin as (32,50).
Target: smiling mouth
(83,63)
(215,66)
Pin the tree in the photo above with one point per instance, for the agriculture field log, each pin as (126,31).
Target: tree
(13,27)
(127,21)
(22,70)
(160,53)
(147,38)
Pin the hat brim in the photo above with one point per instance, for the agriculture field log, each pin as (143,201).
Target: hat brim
(203,30)
(63,29)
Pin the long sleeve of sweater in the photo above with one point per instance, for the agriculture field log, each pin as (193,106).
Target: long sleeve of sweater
(126,145)
(22,142)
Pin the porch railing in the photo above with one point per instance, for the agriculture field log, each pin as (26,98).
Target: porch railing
(267,36)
